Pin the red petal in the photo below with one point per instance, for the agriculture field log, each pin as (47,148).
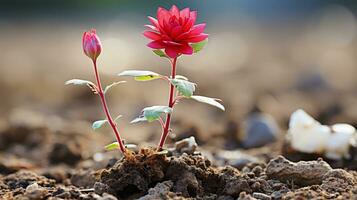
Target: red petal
(177,30)
(186,49)
(193,16)
(172,52)
(153,21)
(175,11)
(183,36)
(151,27)
(162,15)
(197,38)
(198,29)
(188,25)
(171,43)
(156,45)
(185,13)
(152,35)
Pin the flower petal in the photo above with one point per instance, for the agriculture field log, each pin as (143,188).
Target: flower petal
(175,11)
(198,29)
(172,52)
(177,30)
(151,27)
(185,13)
(186,49)
(156,45)
(197,38)
(153,21)
(193,16)
(171,43)
(188,25)
(162,15)
(183,36)
(152,35)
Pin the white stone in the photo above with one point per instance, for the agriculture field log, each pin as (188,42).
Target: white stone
(306,134)
(341,138)
(309,136)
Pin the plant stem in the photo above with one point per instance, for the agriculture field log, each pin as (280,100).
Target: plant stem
(171,104)
(105,108)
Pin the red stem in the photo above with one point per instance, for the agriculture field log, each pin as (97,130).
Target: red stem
(105,108)
(171,104)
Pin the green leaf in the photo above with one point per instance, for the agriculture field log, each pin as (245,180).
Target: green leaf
(112,146)
(160,53)
(141,118)
(141,75)
(111,85)
(152,113)
(185,88)
(78,82)
(208,100)
(199,46)
(98,124)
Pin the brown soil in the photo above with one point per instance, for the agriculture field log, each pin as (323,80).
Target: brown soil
(148,174)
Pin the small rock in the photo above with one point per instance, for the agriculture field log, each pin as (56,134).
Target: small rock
(245,196)
(160,191)
(35,192)
(307,135)
(187,145)
(261,129)
(261,196)
(301,173)
(100,188)
(233,182)
(235,158)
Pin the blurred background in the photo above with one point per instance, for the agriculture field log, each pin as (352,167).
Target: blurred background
(272,57)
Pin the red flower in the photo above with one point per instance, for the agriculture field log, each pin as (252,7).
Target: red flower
(174,31)
(91,44)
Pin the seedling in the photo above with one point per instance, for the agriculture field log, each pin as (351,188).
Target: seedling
(173,34)
(92,48)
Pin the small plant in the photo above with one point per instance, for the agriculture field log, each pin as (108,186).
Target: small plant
(173,34)
(92,48)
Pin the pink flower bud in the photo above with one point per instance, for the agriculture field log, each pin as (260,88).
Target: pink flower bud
(91,44)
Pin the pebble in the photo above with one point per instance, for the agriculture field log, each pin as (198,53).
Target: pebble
(234,158)
(261,196)
(34,191)
(261,129)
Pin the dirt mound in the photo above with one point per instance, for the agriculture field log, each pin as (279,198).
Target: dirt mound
(192,176)
(148,174)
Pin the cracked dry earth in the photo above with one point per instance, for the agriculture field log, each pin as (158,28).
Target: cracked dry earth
(150,175)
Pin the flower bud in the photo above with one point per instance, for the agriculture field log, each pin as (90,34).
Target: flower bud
(91,44)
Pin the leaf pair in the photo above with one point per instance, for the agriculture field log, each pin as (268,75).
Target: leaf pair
(181,83)
(91,85)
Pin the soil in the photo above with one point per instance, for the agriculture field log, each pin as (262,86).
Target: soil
(61,170)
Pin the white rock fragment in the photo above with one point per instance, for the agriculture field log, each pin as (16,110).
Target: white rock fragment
(187,145)
(341,138)
(306,134)
(309,136)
